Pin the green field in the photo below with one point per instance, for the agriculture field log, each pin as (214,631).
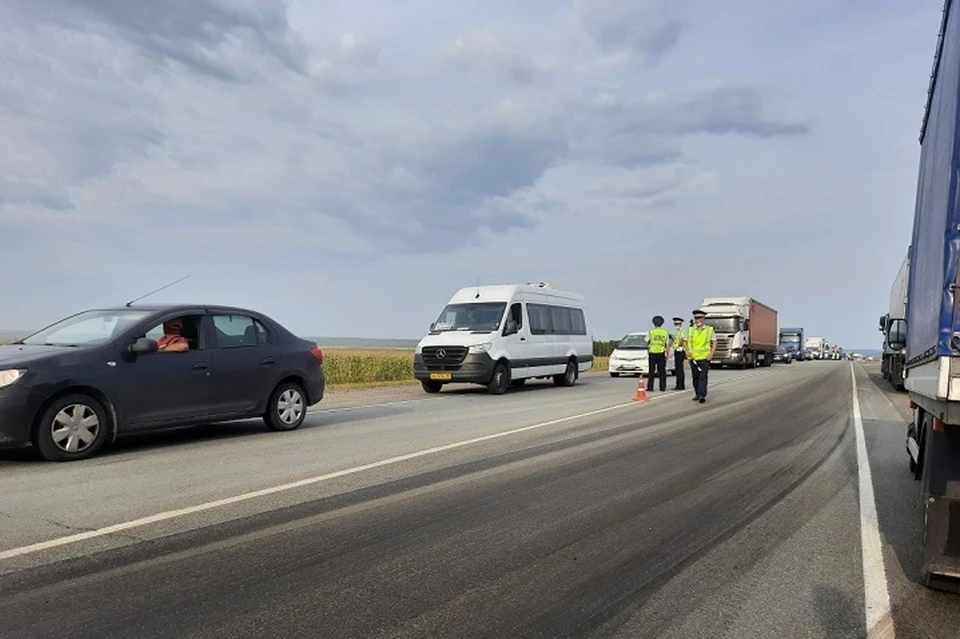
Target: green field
(347,368)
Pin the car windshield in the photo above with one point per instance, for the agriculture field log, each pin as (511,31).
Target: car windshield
(724,324)
(481,316)
(86,329)
(633,343)
(789,338)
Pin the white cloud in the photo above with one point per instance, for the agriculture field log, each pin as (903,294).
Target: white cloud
(342,148)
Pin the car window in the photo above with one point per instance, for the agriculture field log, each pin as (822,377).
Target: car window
(191,331)
(86,329)
(237,331)
(263,334)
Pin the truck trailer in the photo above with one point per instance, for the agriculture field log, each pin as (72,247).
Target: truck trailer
(932,330)
(895,321)
(746,331)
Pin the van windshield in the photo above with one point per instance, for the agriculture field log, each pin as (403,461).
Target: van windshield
(480,316)
(633,343)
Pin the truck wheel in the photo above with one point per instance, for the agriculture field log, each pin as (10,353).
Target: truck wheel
(431,387)
(500,380)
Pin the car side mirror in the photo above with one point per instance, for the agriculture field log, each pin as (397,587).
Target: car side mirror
(433,326)
(142,346)
(512,328)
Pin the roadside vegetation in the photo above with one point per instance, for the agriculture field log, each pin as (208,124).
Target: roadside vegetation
(350,368)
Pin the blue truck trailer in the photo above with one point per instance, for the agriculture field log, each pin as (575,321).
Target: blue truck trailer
(792,341)
(931,333)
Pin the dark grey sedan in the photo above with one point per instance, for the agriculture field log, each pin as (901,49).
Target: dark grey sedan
(78,384)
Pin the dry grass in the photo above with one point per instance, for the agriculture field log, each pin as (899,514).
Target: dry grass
(600,363)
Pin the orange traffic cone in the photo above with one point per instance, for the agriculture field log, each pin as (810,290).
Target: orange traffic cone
(641,390)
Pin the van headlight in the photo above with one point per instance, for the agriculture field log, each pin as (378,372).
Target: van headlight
(480,348)
(418,350)
(9,376)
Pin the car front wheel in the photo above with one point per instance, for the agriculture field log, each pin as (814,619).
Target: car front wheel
(287,407)
(73,427)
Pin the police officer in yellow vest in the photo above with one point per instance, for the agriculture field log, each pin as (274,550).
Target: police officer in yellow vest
(679,357)
(659,339)
(700,346)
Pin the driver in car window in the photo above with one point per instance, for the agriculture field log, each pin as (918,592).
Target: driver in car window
(172,341)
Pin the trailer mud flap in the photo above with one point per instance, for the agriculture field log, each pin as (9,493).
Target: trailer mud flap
(941,494)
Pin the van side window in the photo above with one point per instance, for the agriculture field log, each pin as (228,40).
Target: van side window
(516,314)
(562,320)
(556,320)
(540,321)
(579,323)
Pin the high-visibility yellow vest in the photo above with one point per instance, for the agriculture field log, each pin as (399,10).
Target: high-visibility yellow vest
(700,341)
(678,338)
(658,340)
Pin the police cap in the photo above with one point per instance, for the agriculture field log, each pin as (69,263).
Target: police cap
(699,313)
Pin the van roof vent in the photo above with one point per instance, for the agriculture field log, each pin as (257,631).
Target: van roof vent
(541,284)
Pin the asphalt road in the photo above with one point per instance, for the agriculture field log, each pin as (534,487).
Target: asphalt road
(546,512)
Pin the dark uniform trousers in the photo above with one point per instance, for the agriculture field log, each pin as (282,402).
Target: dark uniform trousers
(658,367)
(700,370)
(679,357)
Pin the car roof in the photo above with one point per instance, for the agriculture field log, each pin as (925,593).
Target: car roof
(176,307)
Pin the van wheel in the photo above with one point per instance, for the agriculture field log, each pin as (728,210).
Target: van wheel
(569,377)
(500,380)
(73,427)
(431,387)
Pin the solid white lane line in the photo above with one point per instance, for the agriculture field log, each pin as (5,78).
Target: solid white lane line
(876,595)
(190,510)
(181,512)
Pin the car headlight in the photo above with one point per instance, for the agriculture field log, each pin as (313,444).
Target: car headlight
(9,376)
(480,348)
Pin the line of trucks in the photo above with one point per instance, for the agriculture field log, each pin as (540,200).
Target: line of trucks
(747,337)
(921,329)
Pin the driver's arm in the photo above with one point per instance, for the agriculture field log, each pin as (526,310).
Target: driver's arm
(176,345)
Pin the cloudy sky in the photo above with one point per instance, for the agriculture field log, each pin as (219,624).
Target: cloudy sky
(346,166)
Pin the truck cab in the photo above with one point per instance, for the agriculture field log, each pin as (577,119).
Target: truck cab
(746,331)
(792,341)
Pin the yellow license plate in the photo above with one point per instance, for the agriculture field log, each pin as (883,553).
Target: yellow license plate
(441,376)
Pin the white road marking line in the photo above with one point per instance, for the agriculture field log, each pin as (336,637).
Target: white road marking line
(172,514)
(181,512)
(876,595)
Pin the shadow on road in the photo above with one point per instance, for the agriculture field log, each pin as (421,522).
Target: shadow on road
(838,615)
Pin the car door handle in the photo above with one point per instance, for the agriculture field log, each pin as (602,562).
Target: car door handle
(267,361)
(200,366)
